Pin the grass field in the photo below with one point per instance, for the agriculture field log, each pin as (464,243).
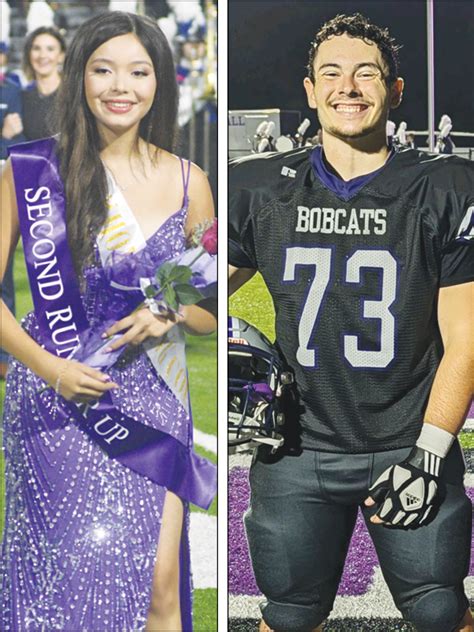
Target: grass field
(202,365)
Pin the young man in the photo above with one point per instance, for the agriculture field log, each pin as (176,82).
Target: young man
(368,255)
(10,107)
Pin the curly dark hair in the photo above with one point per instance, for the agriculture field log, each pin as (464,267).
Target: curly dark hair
(358,26)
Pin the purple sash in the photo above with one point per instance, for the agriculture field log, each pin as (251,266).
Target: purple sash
(62,321)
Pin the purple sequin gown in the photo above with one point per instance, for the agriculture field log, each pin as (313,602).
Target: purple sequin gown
(81,530)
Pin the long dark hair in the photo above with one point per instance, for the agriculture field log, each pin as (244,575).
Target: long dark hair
(42,30)
(79,144)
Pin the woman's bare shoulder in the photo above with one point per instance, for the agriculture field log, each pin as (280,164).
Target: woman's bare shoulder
(199,191)
(176,163)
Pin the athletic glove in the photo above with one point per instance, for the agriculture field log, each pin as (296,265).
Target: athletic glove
(408,492)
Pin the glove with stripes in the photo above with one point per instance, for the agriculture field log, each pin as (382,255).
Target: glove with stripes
(408,492)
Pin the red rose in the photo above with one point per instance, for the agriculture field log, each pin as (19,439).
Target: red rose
(209,239)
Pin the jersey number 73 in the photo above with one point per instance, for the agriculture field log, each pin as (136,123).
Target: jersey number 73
(321,260)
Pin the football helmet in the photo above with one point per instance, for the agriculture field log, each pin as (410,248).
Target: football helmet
(256,383)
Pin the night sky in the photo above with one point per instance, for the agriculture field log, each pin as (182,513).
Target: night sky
(269,41)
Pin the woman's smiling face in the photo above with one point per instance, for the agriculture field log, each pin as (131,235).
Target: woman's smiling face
(120,83)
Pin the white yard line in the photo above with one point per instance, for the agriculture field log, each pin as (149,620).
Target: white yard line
(376,602)
(206,441)
(240,460)
(203,537)
(468,425)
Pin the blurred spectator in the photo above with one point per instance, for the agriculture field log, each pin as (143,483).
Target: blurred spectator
(157,9)
(39,14)
(390,131)
(10,107)
(123,5)
(5,12)
(315,140)
(401,135)
(411,141)
(42,58)
(11,133)
(10,126)
(444,143)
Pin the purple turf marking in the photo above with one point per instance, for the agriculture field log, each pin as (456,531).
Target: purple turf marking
(241,579)
(360,563)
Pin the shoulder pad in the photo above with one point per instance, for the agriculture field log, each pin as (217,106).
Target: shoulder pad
(267,169)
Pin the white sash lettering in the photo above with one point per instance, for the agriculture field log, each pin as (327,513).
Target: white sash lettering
(111,432)
(63,316)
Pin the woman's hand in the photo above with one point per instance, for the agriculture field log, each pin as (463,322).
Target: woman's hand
(78,382)
(141,325)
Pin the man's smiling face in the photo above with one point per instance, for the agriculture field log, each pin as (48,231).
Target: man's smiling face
(350,90)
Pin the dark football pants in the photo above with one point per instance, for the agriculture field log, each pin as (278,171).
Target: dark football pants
(302,514)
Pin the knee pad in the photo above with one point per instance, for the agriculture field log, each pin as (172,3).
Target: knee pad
(438,610)
(291,617)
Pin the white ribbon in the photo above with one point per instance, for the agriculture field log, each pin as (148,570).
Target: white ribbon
(122,234)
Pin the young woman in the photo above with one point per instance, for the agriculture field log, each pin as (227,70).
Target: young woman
(92,542)
(43,57)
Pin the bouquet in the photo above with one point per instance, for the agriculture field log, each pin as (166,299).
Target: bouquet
(181,282)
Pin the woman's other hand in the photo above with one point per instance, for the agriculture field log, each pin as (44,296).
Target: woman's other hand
(141,325)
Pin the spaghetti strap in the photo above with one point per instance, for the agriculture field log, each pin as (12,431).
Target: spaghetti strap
(185,177)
